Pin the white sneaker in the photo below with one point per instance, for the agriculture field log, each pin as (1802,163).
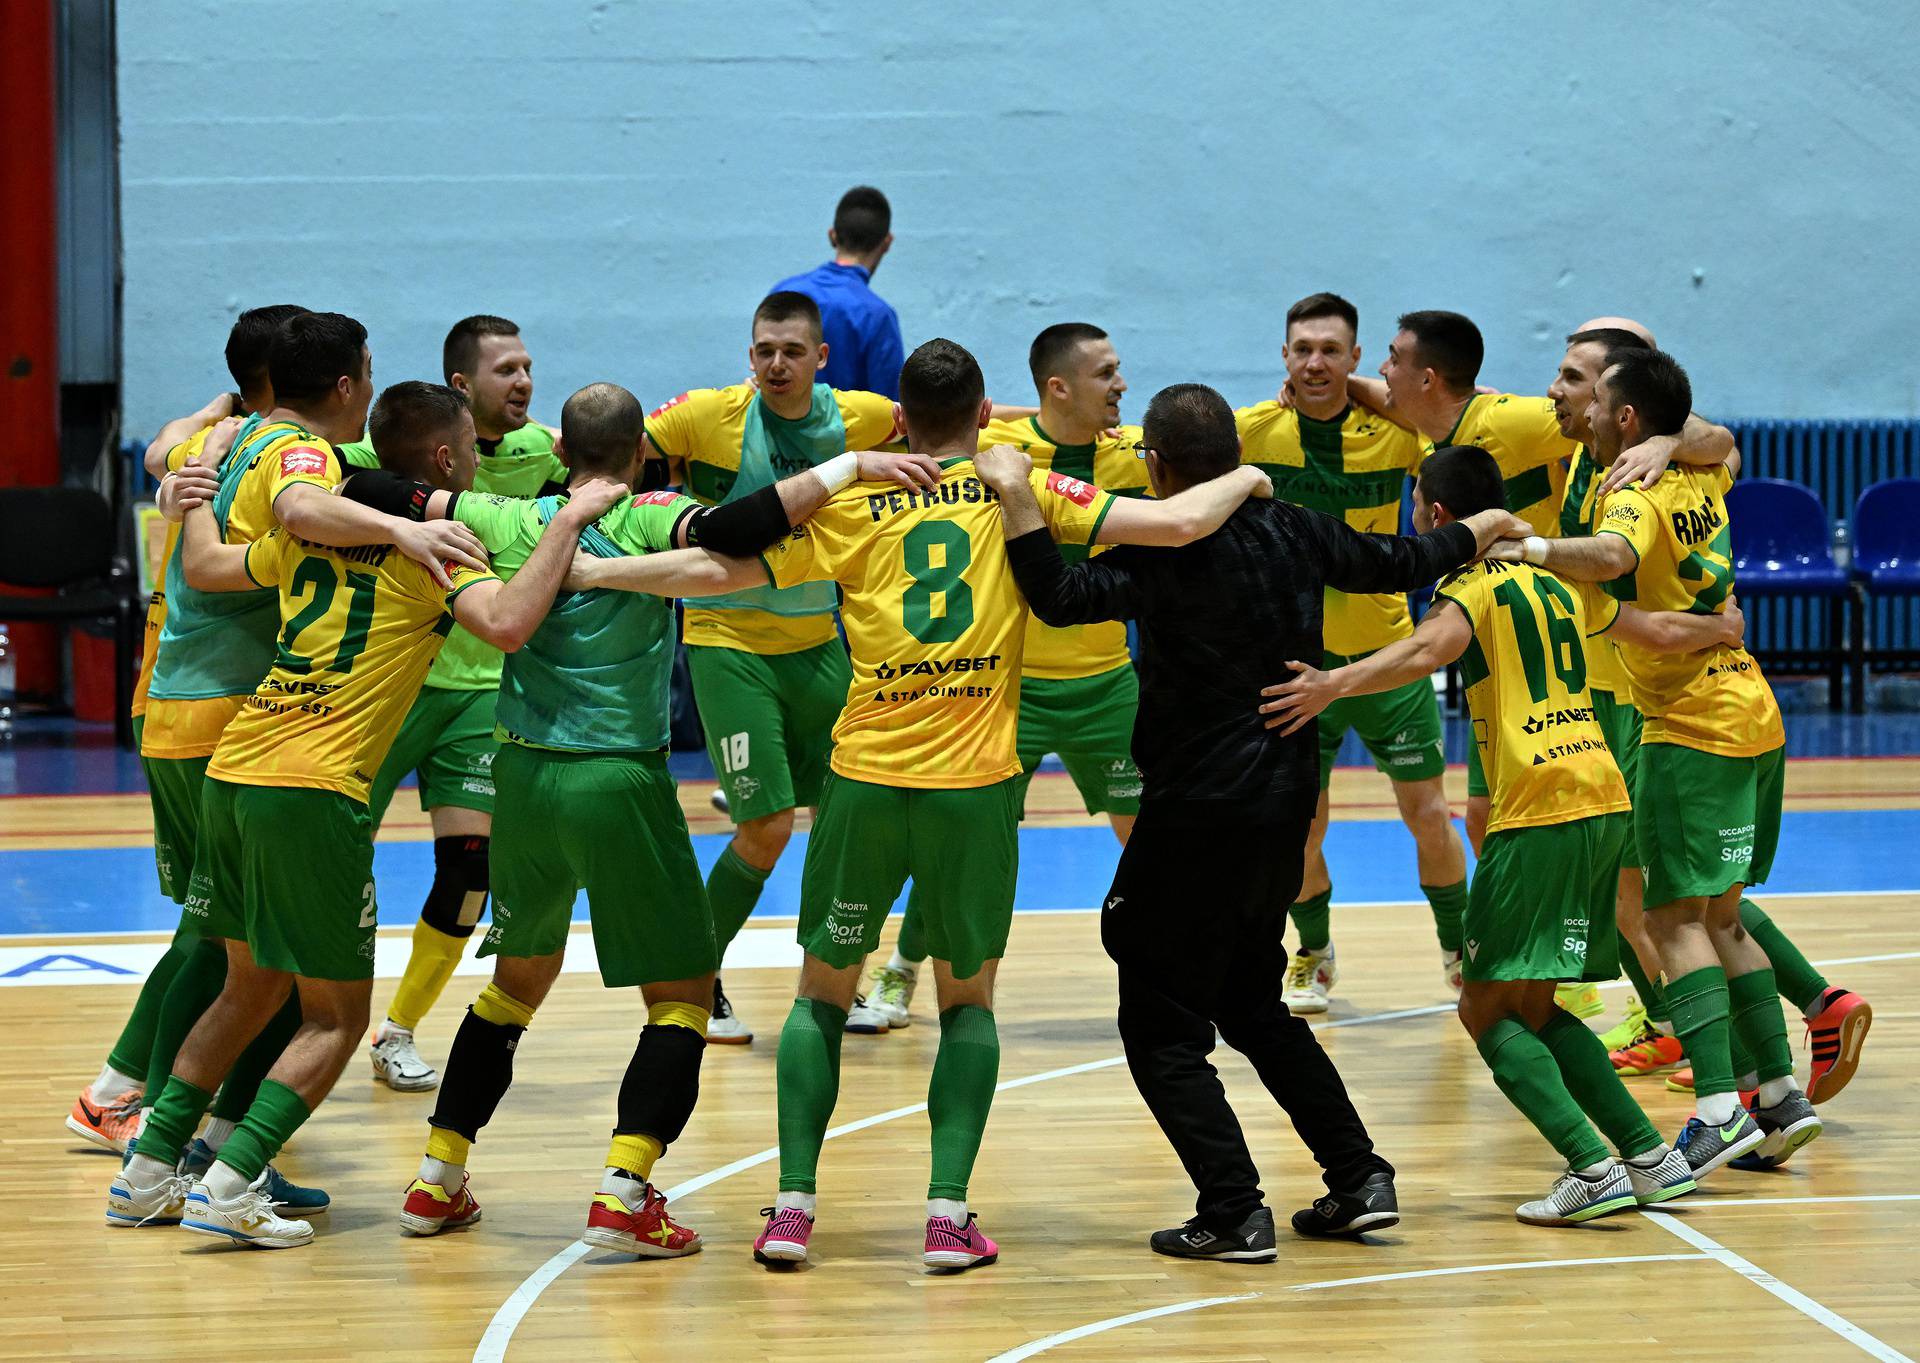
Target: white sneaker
(1670,1177)
(718,799)
(1310,981)
(1576,1198)
(397,1064)
(892,993)
(723,1027)
(1450,966)
(865,1018)
(160,1205)
(248,1219)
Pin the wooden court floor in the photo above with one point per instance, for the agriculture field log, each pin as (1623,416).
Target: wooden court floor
(1818,1261)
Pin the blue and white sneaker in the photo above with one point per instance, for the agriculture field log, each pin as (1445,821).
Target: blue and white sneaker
(129,1206)
(248,1219)
(1707,1147)
(198,1157)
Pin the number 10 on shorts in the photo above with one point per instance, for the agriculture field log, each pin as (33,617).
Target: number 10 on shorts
(733,752)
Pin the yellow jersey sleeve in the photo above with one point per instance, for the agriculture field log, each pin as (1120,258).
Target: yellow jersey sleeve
(1629,514)
(822,547)
(187,450)
(460,577)
(1073,509)
(868,418)
(266,558)
(1530,428)
(684,427)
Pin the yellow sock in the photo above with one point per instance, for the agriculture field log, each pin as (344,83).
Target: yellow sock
(447,1146)
(435,956)
(497,1006)
(689,1015)
(635,1154)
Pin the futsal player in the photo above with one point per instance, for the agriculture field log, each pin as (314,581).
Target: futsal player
(1078,691)
(1327,452)
(586,802)
(448,736)
(1708,794)
(358,630)
(769,670)
(1542,903)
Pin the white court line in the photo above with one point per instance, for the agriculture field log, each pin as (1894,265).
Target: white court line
(1099,1327)
(492,1347)
(1793,1297)
(1723,1204)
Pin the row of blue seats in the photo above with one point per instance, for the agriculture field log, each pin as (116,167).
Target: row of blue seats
(1782,541)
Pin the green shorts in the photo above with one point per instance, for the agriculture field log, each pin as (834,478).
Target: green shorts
(1620,722)
(1542,900)
(1706,823)
(1088,723)
(173,789)
(962,848)
(769,722)
(448,738)
(1401,728)
(608,823)
(289,871)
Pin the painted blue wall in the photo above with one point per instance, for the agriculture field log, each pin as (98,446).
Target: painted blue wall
(625,179)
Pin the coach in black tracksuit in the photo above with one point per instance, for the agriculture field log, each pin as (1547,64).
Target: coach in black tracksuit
(1196,914)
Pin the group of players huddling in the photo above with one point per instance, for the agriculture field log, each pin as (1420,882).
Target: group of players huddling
(453,590)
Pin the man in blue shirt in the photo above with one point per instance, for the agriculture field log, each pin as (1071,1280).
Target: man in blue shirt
(861,330)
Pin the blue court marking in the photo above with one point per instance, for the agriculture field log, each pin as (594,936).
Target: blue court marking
(59,893)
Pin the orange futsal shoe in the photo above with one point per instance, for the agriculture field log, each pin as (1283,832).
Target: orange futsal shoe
(1836,1034)
(646,1230)
(113,1126)
(1648,1053)
(1681,1081)
(429,1210)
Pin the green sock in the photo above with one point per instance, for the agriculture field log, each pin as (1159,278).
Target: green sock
(242,1083)
(1698,1001)
(960,1095)
(1449,904)
(275,1115)
(1313,921)
(1742,1058)
(196,984)
(1755,1010)
(173,1119)
(1525,1070)
(733,888)
(1595,1085)
(807,1081)
(1653,995)
(134,1048)
(912,945)
(1800,983)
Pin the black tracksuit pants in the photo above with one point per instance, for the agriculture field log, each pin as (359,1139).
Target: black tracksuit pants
(1195,921)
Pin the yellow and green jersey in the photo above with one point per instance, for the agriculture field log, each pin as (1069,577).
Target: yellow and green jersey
(594,677)
(215,646)
(358,630)
(1353,468)
(521,463)
(1543,752)
(934,621)
(1579,510)
(1113,465)
(155,621)
(1523,436)
(732,445)
(1715,699)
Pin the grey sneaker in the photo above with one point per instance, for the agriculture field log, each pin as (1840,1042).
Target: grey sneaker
(1251,1242)
(1576,1198)
(1707,1147)
(1666,1178)
(1785,1127)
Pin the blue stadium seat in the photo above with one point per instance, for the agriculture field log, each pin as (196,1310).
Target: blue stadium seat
(1886,537)
(1781,548)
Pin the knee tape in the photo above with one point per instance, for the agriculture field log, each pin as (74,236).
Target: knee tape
(459,893)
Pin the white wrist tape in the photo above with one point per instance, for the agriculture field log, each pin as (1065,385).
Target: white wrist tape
(840,471)
(1534,550)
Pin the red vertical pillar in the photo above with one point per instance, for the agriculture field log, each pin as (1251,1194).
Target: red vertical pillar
(29,288)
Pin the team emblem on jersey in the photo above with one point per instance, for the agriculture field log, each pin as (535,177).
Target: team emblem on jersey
(1073,489)
(658,498)
(301,459)
(669,405)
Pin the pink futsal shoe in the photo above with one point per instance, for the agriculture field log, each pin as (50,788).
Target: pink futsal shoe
(952,1246)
